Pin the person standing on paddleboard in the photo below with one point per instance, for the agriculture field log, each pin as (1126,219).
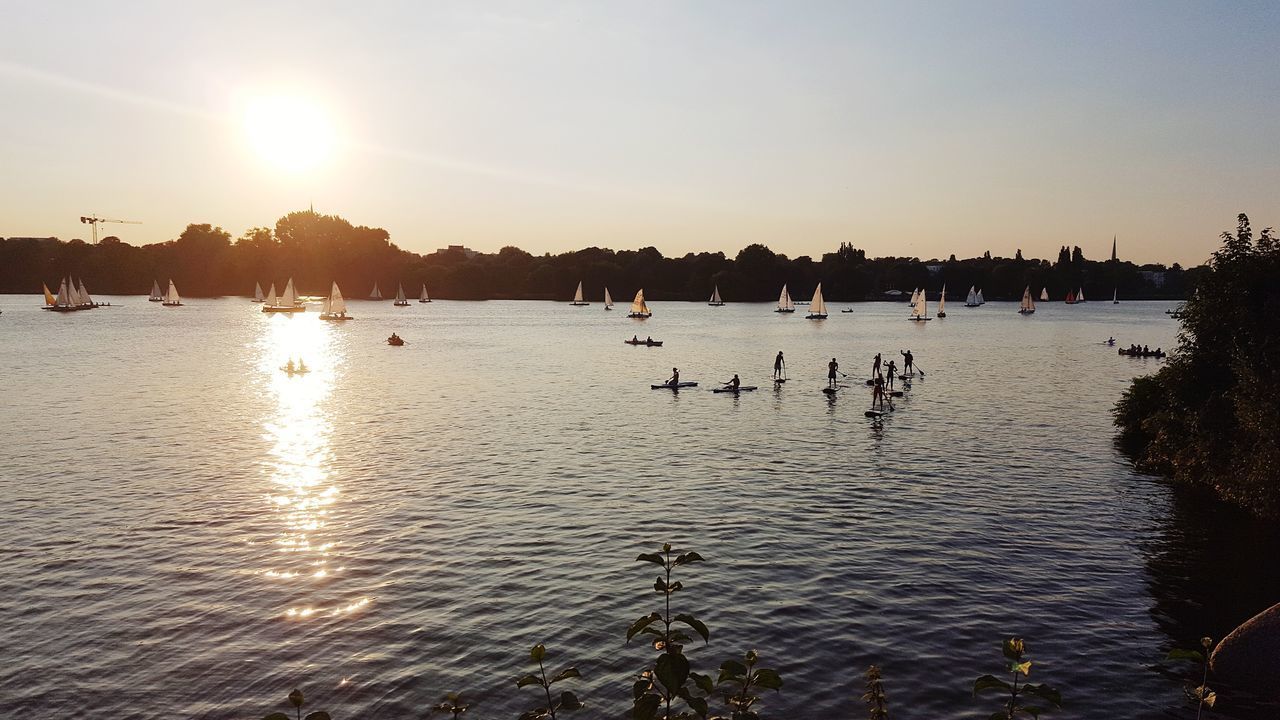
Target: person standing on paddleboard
(675,377)
(878,395)
(832,368)
(893,370)
(778,365)
(875,366)
(907,366)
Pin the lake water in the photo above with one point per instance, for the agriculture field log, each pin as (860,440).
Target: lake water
(189,532)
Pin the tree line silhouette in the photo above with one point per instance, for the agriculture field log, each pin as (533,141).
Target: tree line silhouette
(316,250)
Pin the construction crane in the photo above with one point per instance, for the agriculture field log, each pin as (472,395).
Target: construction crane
(93,220)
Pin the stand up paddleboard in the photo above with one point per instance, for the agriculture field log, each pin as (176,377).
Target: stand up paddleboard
(830,390)
(744,388)
(669,386)
(875,413)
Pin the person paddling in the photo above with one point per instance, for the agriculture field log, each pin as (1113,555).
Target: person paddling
(875,366)
(878,395)
(908,363)
(675,377)
(893,370)
(833,367)
(779,366)
(735,383)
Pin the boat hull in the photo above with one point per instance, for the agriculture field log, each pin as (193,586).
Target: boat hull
(277,309)
(640,316)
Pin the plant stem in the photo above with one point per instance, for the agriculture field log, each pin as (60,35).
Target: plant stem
(546,687)
(1203,681)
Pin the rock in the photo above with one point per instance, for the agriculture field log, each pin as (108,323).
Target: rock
(1249,658)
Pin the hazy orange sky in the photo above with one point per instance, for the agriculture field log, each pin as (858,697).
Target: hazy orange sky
(905,128)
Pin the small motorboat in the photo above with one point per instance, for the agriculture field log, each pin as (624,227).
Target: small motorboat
(645,343)
(849,310)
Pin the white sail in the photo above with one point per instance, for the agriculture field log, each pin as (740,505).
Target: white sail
(1028,305)
(915,305)
(638,306)
(784,301)
(608,301)
(424,297)
(155,291)
(73,295)
(172,297)
(400,295)
(64,300)
(289,298)
(577,295)
(324,307)
(715,294)
(1044,294)
(84,294)
(1080,295)
(271,296)
(980,300)
(336,303)
(257,292)
(376,294)
(1115,296)
(817,306)
(942,300)
(972,298)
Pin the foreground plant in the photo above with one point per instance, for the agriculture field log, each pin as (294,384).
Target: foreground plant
(744,679)
(1020,668)
(297,700)
(452,703)
(874,697)
(1201,694)
(567,700)
(667,679)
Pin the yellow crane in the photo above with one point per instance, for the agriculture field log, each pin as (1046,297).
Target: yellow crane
(94,220)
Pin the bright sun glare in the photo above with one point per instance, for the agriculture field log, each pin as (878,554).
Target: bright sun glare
(289,132)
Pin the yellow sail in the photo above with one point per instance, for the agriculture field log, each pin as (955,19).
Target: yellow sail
(49,299)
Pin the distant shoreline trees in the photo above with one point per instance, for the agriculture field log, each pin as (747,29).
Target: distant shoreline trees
(316,250)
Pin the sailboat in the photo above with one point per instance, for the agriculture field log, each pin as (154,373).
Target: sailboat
(942,302)
(1044,294)
(1080,296)
(980,300)
(608,301)
(67,299)
(286,303)
(424,297)
(715,298)
(1071,297)
(85,301)
(335,306)
(1028,305)
(577,297)
(972,299)
(785,304)
(1115,296)
(638,308)
(155,293)
(817,306)
(400,298)
(375,295)
(1115,291)
(257,292)
(49,299)
(919,307)
(171,298)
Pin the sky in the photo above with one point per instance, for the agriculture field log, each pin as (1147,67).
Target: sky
(910,129)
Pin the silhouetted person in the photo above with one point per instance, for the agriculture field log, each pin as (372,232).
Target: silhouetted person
(735,383)
(832,368)
(908,365)
(875,366)
(675,377)
(778,366)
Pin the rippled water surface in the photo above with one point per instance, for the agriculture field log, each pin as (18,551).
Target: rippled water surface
(189,532)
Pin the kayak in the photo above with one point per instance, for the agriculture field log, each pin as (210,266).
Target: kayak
(669,386)
(652,343)
(744,388)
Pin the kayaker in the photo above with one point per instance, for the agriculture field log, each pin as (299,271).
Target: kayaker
(875,366)
(635,338)
(648,340)
(735,383)
(675,377)
(1111,341)
(907,365)
(778,366)
(832,368)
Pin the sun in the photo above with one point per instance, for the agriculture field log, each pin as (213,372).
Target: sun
(291,133)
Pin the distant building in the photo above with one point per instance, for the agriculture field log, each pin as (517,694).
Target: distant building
(457,249)
(1155,277)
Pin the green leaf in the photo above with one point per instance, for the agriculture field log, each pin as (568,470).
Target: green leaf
(696,624)
(989,682)
(660,585)
(569,701)
(687,558)
(640,687)
(1180,654)
(654,558)
(277,716)
(295,698)
(538,652)
(767,678)
(529,680)
(672,670)
(1044,692)
(703,682)
(318,715)
(566,673)
(646,707)
(677,586)
(641,624)
(733,667)
(698,704)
